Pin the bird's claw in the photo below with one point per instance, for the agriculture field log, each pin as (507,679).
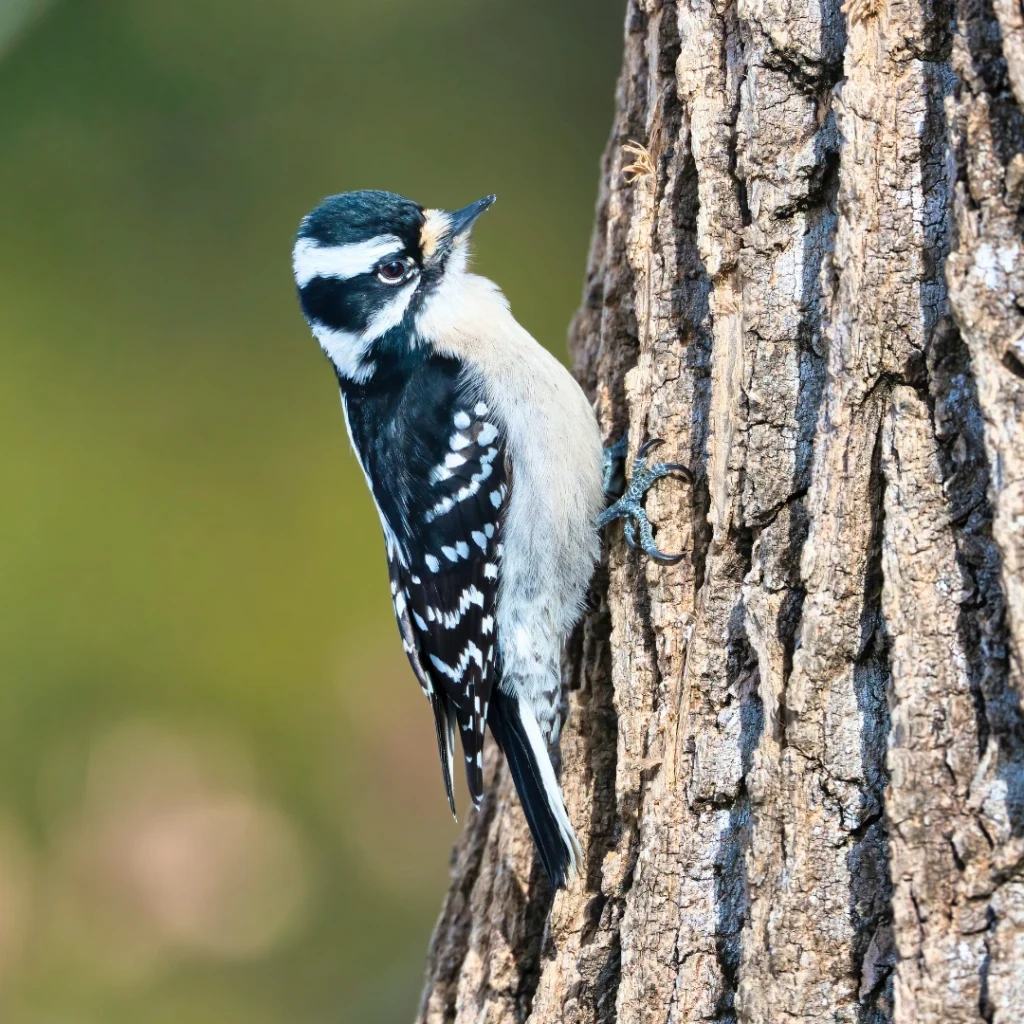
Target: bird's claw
(630,506)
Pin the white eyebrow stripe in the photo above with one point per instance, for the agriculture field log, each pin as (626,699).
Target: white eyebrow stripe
(310,259)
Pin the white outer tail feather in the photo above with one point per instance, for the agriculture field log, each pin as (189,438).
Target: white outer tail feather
(551,788)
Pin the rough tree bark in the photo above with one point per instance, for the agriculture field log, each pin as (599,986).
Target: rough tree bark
(795,760)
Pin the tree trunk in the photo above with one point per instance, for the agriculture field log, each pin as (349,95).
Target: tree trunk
(795,760)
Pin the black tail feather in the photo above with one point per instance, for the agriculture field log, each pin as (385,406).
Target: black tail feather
(557,853)
(444,721)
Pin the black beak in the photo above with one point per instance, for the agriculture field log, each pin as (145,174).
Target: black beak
(462,220)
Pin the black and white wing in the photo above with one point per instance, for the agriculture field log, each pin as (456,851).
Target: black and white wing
(444,581)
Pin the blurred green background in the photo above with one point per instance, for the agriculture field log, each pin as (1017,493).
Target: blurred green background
(204,815)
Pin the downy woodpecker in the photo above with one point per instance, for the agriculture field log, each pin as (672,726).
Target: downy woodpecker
(484,460)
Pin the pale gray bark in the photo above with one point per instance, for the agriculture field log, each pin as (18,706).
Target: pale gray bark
(795,760)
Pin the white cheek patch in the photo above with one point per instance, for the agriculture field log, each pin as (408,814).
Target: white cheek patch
(346,350)
(390,314)
(310,259)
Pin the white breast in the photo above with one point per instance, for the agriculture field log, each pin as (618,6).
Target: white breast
(554,446)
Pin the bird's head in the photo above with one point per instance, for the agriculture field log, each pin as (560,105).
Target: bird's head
(365,263)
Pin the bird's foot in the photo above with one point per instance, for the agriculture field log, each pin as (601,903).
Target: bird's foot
(629,506)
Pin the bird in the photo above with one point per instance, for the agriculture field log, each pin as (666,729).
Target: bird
(484,459)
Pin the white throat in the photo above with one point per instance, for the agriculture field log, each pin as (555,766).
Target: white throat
(463,306)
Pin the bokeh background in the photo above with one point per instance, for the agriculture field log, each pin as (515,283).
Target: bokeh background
(219,796)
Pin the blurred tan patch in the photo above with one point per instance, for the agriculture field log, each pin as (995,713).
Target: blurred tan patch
(173,853)
(16,896)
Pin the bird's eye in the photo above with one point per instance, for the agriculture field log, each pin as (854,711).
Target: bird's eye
(394,271)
